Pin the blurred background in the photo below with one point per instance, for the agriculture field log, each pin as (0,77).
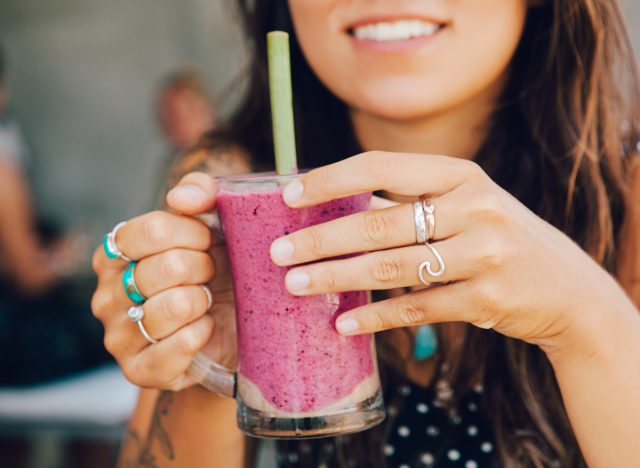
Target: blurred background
(84,76)
(102,94)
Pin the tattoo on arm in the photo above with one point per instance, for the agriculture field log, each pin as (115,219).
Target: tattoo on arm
(135,454)
(131,449)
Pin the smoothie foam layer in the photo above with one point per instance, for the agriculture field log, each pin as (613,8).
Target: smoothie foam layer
(253,398)
(288,347)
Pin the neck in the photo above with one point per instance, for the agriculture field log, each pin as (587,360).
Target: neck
(458,131)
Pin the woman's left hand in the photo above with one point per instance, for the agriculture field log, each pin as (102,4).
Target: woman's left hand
(506,268)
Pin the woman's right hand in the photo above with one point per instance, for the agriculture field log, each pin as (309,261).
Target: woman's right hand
(176,254)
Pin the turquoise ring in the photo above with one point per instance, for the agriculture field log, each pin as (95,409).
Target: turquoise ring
(129,283)
(107,245)
(110,246)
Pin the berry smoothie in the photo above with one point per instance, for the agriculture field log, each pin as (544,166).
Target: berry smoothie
(291,360)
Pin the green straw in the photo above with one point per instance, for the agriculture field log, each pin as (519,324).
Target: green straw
(284,139)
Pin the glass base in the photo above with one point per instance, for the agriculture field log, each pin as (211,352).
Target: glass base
(356,418)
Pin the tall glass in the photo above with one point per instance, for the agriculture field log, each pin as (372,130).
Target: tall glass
(296,376)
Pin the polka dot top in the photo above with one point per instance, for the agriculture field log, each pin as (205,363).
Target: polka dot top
(422,430)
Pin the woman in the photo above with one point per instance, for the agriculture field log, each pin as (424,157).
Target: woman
(534,104)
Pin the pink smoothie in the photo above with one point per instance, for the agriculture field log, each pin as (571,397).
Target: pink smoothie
(288,346)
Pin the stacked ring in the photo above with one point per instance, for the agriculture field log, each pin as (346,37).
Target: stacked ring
(425,232)
(429,210)
(130,286)
(110,246)
(419,218)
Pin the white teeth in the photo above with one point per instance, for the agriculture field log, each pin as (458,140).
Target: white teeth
(395,30)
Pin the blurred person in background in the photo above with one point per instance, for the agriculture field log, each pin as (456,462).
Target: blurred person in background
(45,330)
(25,262)
(43,324)
(185,112)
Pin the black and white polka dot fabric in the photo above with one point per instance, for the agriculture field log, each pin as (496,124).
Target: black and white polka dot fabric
(428,434)
(422,432)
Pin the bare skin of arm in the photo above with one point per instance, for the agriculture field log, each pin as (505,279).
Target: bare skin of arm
(600,389)
(26,259)
(600,393)
(192,428)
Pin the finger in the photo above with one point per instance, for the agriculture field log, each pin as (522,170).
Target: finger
(402,174)
(104,301)
(102,264)
(160,231)
(449,303)
(366,231)
(167,312)
(165,364)
(152,275)
(177,267)
(388,269)
(153,233)
(194,194)
(164,314)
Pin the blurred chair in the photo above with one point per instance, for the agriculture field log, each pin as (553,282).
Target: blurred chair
(94,405)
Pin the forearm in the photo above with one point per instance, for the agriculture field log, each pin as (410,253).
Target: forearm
(599,377)
(26,259)
(192,428)
(30,265)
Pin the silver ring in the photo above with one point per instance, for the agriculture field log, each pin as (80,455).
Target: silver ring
(207,291)
(421,226)
(426,265)
(429,209)
(113,245)
(136,314)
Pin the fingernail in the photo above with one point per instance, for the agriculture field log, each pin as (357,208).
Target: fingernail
(281,250)
(292,193)
(297,281)
(190,191)
(347,325)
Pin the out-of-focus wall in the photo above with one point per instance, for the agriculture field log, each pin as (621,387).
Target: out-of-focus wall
(84,74)
(632,11)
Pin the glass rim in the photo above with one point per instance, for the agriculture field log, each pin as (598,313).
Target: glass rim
(253,177)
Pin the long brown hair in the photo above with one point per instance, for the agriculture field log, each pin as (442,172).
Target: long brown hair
(561,139)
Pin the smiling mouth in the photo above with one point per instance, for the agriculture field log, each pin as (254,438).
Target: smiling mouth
(393,31)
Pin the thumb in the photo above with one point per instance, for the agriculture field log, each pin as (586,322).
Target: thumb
(194,194)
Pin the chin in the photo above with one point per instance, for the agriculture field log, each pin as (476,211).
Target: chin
(399,101)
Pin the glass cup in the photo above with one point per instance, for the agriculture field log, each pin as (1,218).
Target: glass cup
(296,376)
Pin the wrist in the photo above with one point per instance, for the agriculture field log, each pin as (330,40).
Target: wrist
(594,332)
(198,405)
(200,395)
